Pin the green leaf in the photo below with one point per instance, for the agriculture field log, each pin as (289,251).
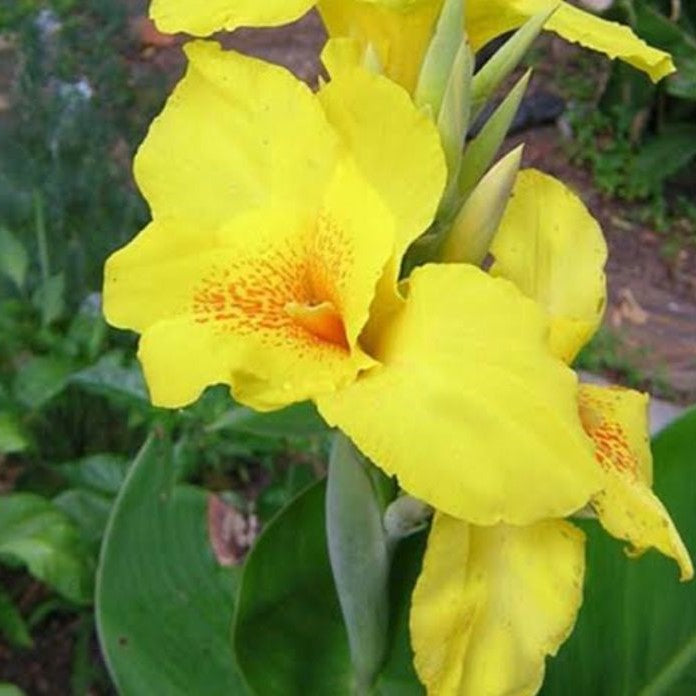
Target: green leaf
(111,378)
(298,420)
(14,260)
(288,636)
(36,534)
(102,473)
(40,379)
(49,298)
(88,510)
(10,690)
(636,633)
(12,625)
(359,558)
(398,676)
(13,439)
(481,151)
(164,605)
(661,157)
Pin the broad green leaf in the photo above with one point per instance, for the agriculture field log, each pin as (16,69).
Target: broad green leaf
(34,533)
(164,605)
(289,637)
(440,56)
(14,260)
(40,379)
(298,420)
(12,436)
(288,634)
(359,558)
(505,60)
(636,632)
(109,377)
(477,221)
(481,151)
(12,625)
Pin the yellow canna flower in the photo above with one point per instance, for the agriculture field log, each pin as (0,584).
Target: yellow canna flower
(400,30)
(492,602)
(557,258)
(279,221)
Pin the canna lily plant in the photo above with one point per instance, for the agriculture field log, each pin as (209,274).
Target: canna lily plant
(335,247)
(496,600)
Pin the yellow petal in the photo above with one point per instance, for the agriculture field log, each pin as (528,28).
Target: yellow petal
(486,19)
(550,246)
(236,134)
(341,55)
(204,17)
(492,602)
(616,419)
(468,408)
(272,304)
(396,147)
(399,30)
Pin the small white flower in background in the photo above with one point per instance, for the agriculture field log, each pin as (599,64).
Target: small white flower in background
(47,23)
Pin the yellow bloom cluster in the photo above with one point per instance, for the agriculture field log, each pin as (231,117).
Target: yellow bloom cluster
(280,220)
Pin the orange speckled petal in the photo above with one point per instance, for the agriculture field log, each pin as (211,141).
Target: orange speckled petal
(273,308)
(616,420)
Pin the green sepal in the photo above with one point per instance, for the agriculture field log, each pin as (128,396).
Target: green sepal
(505,60)
(477,221)
(441,53)
(453,118)
(481,151)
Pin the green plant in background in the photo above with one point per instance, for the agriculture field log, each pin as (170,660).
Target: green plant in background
(73,405)
(643,135)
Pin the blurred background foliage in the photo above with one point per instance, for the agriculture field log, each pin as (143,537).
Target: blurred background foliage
(640,138)
(73,405)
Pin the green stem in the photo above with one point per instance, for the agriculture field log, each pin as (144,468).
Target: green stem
(359,559)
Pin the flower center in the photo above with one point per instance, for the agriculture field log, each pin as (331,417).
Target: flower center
(321,320)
